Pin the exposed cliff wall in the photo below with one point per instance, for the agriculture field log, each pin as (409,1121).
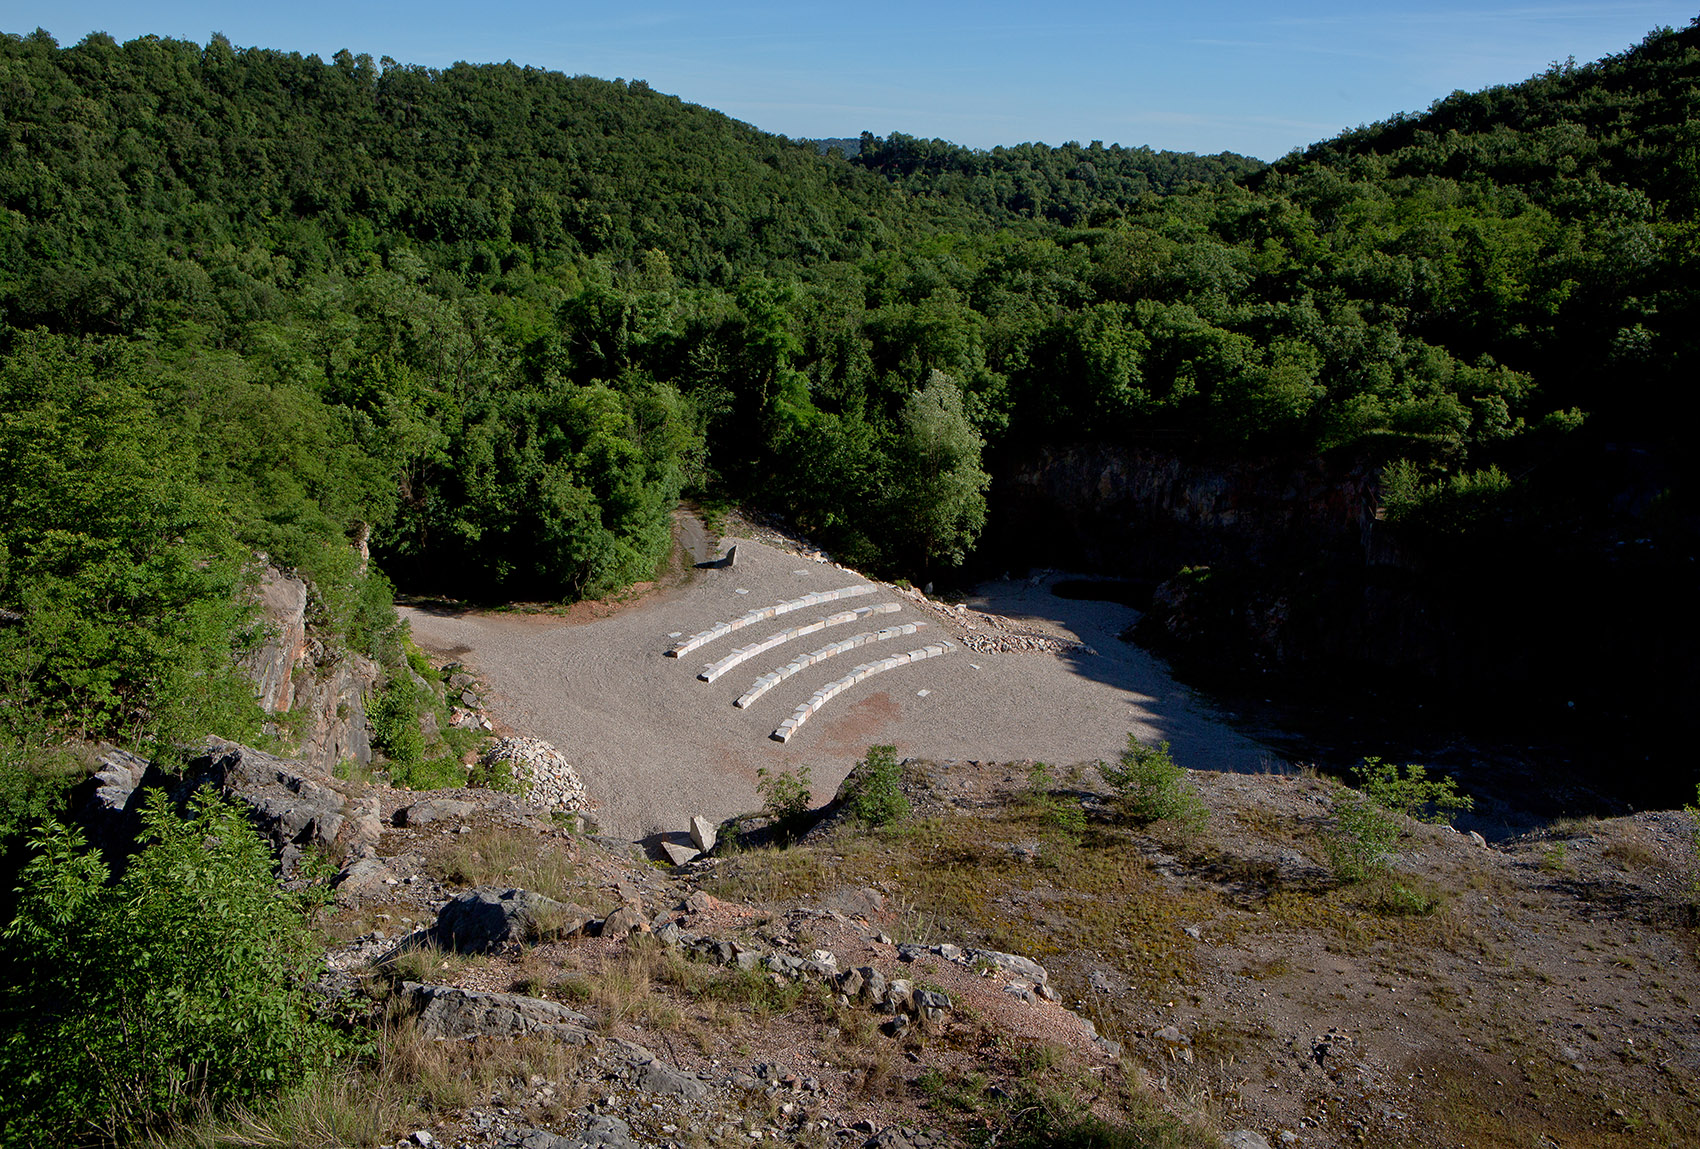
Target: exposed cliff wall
(1145,511)
(1258,562)
(317,696)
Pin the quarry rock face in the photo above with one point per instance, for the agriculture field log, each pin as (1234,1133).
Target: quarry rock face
(295,805)
(1145,511)
(294,673)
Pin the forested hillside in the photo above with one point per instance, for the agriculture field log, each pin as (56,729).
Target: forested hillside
(500,318)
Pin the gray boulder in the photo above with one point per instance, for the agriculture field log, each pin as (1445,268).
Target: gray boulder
(1245,1139)
(703,833)
(1010,963)
(434,810)
(447,1012)
(293,804)
(482,920)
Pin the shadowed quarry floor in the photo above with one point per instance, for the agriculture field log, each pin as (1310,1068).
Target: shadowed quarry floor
(656,745)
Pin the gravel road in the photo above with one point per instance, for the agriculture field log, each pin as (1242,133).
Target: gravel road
(655,746)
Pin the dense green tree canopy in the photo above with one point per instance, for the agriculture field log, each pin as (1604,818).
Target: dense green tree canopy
(501,318)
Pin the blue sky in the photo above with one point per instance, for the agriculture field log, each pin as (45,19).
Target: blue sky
(1205,76)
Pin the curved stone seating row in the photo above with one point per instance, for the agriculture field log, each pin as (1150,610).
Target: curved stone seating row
(803,661)
(867,670)
(815,598)
(715,669)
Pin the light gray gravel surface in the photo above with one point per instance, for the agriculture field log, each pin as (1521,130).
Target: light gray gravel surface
(655,746)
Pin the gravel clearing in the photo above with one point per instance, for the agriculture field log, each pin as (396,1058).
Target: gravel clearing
(654,745)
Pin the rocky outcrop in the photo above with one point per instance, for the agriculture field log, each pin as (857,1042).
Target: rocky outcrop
(296,806)
(480,921)
(294,673)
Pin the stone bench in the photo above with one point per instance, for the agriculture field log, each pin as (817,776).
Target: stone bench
(865,671)
(803,661)
(814,598)
(715,669)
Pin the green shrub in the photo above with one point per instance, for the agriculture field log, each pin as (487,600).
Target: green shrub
(785,800)
(1361,844)
(495,775)
(1150,785)
(1368,821)
(876,797)
(445,773)
(1408,790)
(177,988)
(395,724)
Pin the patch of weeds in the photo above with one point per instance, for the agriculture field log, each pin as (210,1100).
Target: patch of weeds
(1553,859)
(497,774)
(876,793)
(766,875)
(1059,814)
(757,993)
(1047,1108)
(1404,896)
(573,988)
(424,963)
(1367,821)
(1269,968)
(1361,843)
(353,771)
(445,773)
(493,857)
(954,1091)
(1151,786)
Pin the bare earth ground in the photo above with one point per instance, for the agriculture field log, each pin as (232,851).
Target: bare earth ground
(1550,995)
(1546,994)
(655,746)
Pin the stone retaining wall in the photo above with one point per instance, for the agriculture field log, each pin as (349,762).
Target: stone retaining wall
(815,598)
(715,669)
(802,662)
(867,670)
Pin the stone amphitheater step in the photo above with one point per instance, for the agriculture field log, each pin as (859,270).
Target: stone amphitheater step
(803,661)
(867,670)
(715,669)
(814,598)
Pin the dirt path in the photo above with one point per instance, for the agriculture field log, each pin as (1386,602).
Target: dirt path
(655,745)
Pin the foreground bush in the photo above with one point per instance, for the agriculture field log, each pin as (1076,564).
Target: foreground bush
(1369,821)
(178,988)
(1150,785)
(876,794)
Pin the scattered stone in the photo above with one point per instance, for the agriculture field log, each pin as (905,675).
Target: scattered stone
(1245,1139)
(1009,963)
(1478,839)
(362,876)
(546,778)
(624,921)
